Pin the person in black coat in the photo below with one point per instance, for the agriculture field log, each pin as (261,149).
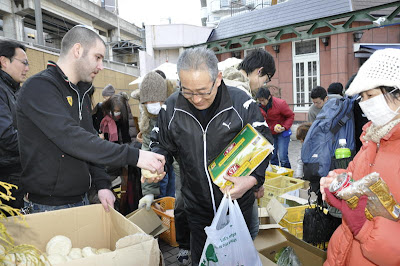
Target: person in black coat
(13,69)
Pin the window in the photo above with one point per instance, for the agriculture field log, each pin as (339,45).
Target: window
(305,72)
(224,3)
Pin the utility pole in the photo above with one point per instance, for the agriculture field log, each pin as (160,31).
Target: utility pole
(39,22)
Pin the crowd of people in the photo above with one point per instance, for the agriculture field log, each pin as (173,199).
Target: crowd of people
(61,151)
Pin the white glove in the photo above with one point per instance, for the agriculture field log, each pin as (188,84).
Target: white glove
(146,201)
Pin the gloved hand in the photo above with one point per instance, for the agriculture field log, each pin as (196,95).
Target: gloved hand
(146,201)
(355,218)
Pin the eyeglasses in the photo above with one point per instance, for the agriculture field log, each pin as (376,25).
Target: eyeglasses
(269,79)
(25,62)
(187,94)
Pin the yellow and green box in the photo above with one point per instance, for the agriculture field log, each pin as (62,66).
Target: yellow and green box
(243,154)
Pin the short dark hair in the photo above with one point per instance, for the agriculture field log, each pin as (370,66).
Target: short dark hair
(302,130)
(79,34)
(318,92)
(161,73)
(256,59)
(7,48)
(335,88)
(263,92)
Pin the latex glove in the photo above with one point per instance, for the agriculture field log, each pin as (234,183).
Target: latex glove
(241,185)
(106,198)
(146,201)
(355,218)
(151,161)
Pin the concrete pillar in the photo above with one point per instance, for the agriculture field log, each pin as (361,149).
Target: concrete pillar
(13,27)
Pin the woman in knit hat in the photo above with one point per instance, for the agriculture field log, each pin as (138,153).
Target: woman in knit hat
(97,113)
(360,241)
(153,92)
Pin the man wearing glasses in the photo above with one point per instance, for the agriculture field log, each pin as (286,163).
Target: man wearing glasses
(13,68)
(256,70)
(194,126)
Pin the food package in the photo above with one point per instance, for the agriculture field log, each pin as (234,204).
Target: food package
(243,154)
(380,200)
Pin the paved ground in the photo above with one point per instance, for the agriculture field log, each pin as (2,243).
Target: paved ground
(170,253)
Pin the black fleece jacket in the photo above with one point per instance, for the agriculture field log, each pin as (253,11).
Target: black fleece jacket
(60,151)
(9,153)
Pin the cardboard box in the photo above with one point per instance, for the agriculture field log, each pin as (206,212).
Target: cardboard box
(271,238)
(148,221)
(270,241)
(89,226)
(243,154)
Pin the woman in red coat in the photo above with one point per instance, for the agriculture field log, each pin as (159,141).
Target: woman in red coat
(279,118)
(359,241)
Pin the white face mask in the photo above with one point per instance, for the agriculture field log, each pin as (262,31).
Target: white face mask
(378,111)
(153,108)
(117,113)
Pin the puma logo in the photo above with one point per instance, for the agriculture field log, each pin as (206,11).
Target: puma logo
(227,125)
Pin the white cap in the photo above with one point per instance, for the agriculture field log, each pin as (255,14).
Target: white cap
(381,69)
(342,142)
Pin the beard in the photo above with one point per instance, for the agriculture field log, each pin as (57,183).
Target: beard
(85,71)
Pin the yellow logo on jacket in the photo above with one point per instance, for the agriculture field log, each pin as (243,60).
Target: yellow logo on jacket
(69,99)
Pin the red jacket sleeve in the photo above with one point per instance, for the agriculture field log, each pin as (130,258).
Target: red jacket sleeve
(287,113)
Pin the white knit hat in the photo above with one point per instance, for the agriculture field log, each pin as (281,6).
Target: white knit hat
(381,69)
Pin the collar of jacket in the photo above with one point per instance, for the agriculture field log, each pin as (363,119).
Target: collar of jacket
(183,103)
(10,81)
(83,86)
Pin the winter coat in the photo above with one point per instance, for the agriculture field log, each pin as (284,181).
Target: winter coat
(9,153)
(279,113)
(377,241)
(180,134)
(235,78)
(61,152)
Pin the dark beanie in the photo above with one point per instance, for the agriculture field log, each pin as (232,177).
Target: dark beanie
(153,88)
(108,90)
(335,88)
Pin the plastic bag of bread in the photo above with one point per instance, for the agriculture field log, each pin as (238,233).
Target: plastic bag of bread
(380,200)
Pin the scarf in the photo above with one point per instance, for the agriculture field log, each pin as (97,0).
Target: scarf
(109,126)
(376,133)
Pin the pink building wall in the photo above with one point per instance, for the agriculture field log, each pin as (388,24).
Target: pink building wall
(337,60)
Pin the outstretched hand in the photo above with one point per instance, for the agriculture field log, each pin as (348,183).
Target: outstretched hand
(151,161)
(355,218)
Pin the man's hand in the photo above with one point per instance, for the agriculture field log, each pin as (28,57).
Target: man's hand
(139,137)
(151,161)
(241,185)
(106,198)
(259,193)
(150,177)
(146,201)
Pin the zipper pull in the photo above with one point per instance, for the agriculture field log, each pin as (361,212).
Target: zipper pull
(204,136)
(80,115)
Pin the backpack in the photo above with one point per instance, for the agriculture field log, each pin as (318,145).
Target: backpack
(335,121)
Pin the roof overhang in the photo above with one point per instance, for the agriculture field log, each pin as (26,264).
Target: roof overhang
(365,50)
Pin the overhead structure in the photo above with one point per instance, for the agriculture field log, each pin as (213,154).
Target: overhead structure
(326,26)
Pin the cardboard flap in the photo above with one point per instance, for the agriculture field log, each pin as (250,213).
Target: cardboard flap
(276,210)
(262,212)
(147,220)
(294,198)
